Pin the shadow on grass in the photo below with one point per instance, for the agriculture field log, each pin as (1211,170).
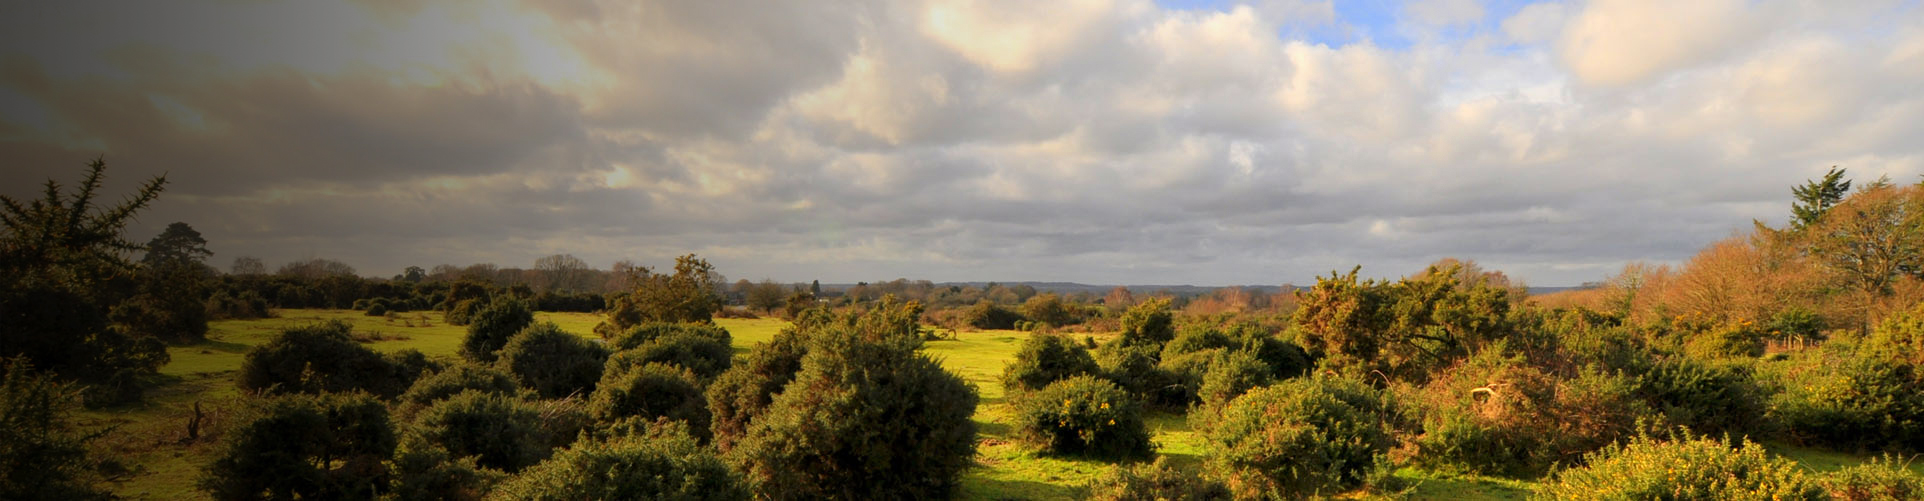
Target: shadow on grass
(219,345)
(1462,487)
(994,489)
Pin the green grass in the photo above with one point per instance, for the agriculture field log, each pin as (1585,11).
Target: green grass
(149,438)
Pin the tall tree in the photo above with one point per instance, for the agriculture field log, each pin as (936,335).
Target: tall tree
(563,272)
(248,265)
(179,243)
(1816,197)
(691,294)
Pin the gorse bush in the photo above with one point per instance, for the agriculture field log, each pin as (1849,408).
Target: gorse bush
(1300,437)
(453,380)
(746,389)
(662,463)
(990,316)
(1230,375)
(1852,401)
(1703,396)
(1156,481)
(1135,368)
(1044,359)
(1148,324)
(491,326)
(650,331)
(500,431)
(426,470)
(651,391)
(553,363)
(1881,479)
(1495,413)
(317,447)
(1083,415)
(322,358)
(1684,468)
(43,455)
(866,416)
(703,355)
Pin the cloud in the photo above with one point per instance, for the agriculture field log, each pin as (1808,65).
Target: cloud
(1102,141)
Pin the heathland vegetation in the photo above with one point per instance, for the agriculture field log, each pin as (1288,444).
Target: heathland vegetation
(1781,363)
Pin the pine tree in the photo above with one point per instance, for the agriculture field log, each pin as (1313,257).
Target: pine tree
(1817,196)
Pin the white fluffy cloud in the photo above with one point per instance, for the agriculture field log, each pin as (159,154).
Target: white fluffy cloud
(1103,141)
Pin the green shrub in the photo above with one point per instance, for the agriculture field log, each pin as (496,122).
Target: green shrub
(1852,402)
(1741,339)
(1148,323)
(462,311)
(1195,339)
(319,447)
(553,363)
(322,358)
(375,310)
(1285,359)
(651,391)
(746,389)
(867,417)
(1135,368)
(703,355)
(664,463)
(490,327)
(990,316)
(1231,375)
(1154,482)
(1900,337)
(1797,322)
(43,454)
(1082,415)
(500,431)
(425,470)
(1683,468)
(1703,396)
(1185,376)
(454,380)
(1301,436)
(650,331)
(1044,359)
(1882,479)
(1496,414)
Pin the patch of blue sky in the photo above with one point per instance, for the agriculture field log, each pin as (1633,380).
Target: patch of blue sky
(1387,24)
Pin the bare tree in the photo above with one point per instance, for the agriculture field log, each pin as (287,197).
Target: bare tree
(562,272)
(248,265)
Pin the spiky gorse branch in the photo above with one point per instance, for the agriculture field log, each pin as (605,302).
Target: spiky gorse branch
(68,236)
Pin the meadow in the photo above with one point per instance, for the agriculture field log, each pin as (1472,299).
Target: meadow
(159,460)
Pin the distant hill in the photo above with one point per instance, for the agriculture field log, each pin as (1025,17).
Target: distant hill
(1179,290)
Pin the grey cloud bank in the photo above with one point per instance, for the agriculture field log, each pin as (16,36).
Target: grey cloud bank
(1093,141)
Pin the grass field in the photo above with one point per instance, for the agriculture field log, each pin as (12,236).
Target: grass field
(163,463)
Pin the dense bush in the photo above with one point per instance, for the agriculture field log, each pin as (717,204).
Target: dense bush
(1683,468)
(1135,368)
(1852,402)
(490,328)
(1703,396)
(462,311)
(322,358)
(1285,359)
(866,417)
(1154,482)
(1900,337)
(746,389)
(453,380)
(245,305)
(1494,413)
(990,316)
(1232,374)
(1740,339)
(702,354)
(1148,324)
(1082,415)
(1044,359)
(664,463)
(43,455)
(317,447)
(1195,339)
(502,432)
(650,331)
(651,391)
(426,470)
(691,294)
(553,363)
(1301,436)
(1881,479)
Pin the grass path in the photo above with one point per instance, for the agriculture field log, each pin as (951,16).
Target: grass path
(150,440)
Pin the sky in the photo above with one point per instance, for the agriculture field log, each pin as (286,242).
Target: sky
(1206,142)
